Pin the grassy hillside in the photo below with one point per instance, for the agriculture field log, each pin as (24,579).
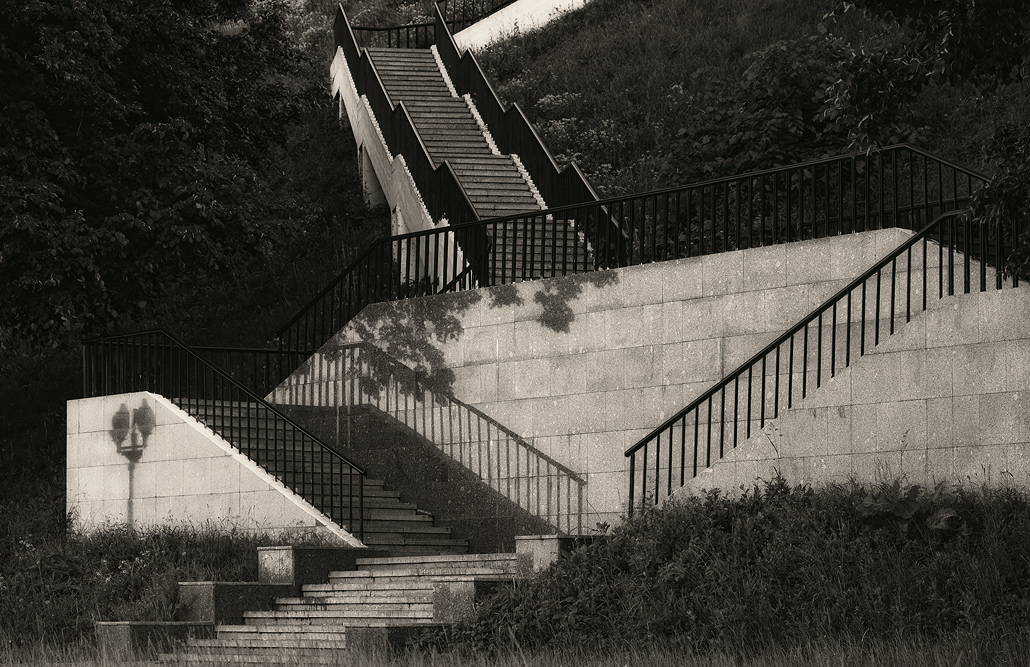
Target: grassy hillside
(646,94)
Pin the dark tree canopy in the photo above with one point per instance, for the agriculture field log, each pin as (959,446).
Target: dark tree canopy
(135,138)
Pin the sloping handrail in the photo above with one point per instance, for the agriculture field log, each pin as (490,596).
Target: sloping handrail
(458,15)
(500,457)
(720,414)
(897,186)
(157,362)
(511,129)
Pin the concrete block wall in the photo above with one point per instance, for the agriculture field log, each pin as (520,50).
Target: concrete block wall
(184,474)
(944,399)
(584,366)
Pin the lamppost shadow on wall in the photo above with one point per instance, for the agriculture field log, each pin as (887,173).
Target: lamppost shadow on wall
(130,431)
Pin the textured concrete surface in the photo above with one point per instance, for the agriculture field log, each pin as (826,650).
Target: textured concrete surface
(584,366)
(184,474)
(944,399)
(522,16)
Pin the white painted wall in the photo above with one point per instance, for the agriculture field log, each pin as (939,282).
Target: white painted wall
(187,475)
(523,16)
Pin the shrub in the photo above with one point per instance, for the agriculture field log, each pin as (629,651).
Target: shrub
(782,565)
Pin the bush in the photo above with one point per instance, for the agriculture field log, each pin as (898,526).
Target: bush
(782,565)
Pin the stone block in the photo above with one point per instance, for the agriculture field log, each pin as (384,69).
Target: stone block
(602,371)
(1000,418)
(851,254)
(682,279)
(1019,364)
(531,378)
(742,313)
(804,433)
(896,376)
(722,273)
(901,425)
(224,602)
(785,306)
(638,367)
(876,467)
(765,268)
(940,423)
(952,322)
(981,368)
(1003,314)
(864,429)
(587,332)
(296,566)
(700,319)
(127,641)
(625,328)
(808,262)
(981,464)
(642,284)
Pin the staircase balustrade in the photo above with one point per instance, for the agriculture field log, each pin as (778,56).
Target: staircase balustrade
(954,251)
(441,192)
(898,186)
(157,362)
(511,130)
(360,374)
(457,14)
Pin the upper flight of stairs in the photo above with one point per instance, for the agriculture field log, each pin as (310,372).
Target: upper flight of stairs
(318,626)
(495,185)
(390,524)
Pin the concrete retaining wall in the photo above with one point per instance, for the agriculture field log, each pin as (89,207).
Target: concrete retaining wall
(184,473)
(944,399)
(584,366)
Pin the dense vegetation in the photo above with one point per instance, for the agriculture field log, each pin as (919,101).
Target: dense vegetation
(784,566)
(178,163)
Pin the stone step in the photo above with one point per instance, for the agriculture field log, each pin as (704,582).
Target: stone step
(258,631)
(332,616)
(225,646)
(356,608)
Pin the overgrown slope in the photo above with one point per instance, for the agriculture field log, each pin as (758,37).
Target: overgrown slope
(651,93)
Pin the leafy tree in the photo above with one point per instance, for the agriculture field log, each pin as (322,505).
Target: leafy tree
(135,140)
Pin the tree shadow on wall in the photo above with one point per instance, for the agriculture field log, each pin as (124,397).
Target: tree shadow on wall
(414,335)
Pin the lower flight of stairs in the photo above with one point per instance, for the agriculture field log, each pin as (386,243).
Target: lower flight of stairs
(328,619)
(390,524)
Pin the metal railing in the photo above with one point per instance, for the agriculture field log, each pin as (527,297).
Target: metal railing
(441,192)
(898,186)
(360,374)
(457,15)
(258,369)
(157,362)
(951,252)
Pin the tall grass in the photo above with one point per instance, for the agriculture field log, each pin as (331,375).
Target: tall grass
(54,583)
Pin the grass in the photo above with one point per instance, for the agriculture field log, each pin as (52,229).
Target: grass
(619,84)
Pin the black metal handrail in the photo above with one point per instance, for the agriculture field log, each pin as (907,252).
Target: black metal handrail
(782,372)
(259,369)
(458,15)
(511,130)
(897,186)
(438,186)
(502,458)
(157,362)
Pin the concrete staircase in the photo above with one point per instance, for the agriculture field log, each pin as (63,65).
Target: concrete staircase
(399,527)
(494,183)
(350,611)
